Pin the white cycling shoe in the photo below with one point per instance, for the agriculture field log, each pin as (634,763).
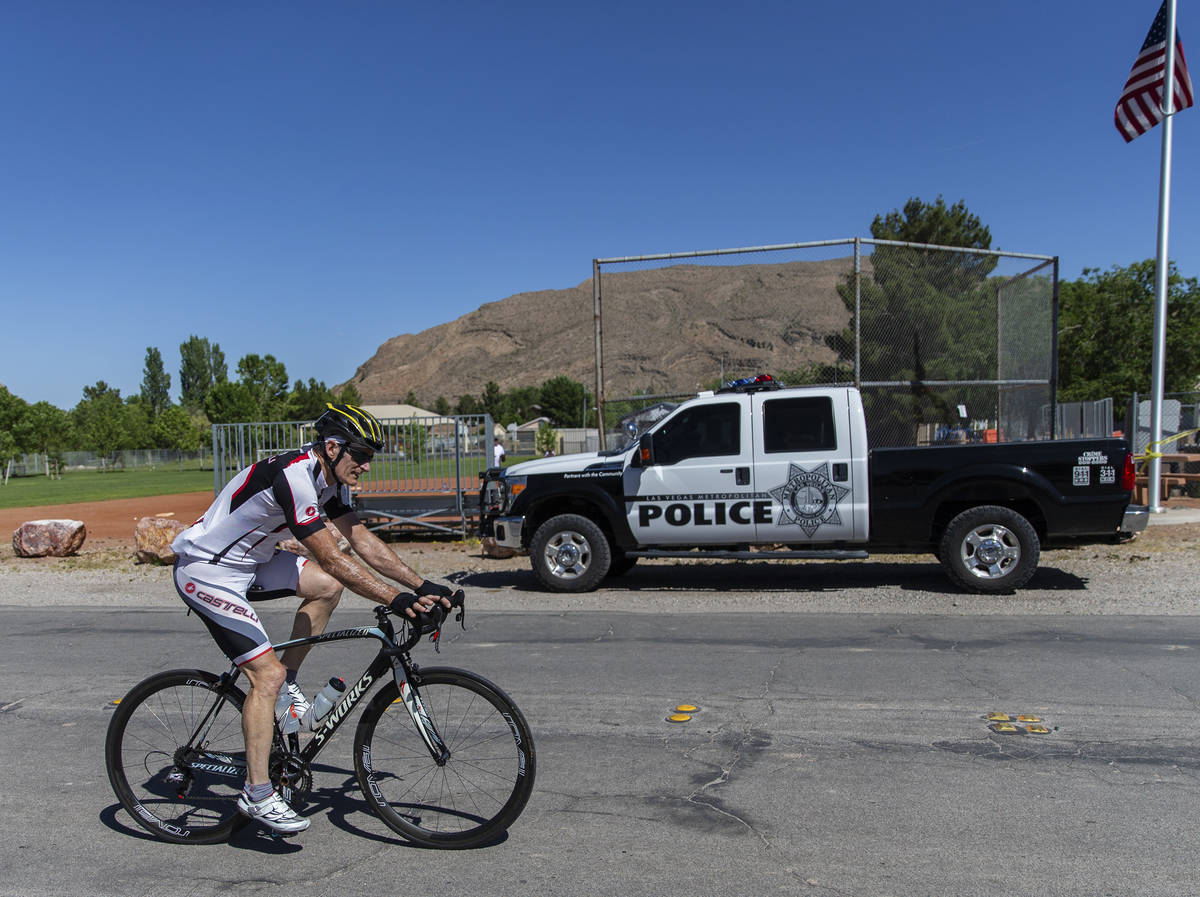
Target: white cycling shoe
(272,812)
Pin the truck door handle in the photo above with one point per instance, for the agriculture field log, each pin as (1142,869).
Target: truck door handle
(742,476)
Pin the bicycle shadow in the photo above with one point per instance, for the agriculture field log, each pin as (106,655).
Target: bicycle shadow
(109,819)
(338,803)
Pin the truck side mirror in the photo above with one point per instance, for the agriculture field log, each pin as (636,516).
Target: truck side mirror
(644,457)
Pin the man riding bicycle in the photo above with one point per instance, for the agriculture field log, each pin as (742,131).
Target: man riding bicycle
(229,558)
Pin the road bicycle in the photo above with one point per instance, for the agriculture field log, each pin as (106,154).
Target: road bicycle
(442,756)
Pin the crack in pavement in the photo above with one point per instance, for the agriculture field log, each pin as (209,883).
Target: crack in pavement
(750,738)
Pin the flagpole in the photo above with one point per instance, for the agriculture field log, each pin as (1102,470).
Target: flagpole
(1158,358)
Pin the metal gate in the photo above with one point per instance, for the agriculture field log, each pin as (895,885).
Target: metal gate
(426,476)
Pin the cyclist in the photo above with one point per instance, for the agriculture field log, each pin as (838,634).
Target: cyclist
(229,558)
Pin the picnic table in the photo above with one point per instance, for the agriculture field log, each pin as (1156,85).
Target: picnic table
(1172,472)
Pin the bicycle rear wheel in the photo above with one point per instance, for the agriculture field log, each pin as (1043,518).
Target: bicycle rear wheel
(481,788)
(176,758)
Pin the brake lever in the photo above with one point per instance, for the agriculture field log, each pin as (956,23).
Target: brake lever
(459,600)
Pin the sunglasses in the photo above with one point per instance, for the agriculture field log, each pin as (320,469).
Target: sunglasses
(359,455)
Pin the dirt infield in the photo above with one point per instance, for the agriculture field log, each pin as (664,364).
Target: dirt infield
(110,524)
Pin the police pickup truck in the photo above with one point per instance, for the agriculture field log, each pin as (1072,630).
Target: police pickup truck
(757,471)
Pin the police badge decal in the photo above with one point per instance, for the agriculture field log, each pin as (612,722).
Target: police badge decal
(809,498)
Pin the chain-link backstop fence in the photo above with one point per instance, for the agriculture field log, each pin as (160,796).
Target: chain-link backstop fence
(946,344)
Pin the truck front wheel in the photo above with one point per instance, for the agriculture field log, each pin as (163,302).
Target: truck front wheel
(989,549)
(570,553)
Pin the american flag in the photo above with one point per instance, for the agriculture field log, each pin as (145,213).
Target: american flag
(1140,106)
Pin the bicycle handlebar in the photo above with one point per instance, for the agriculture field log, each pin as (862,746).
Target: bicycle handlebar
(431,621)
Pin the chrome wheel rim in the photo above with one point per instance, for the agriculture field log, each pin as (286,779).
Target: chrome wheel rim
(568,554)
(990,551)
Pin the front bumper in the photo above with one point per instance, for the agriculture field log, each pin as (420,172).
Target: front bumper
(507,531)
(1135,519)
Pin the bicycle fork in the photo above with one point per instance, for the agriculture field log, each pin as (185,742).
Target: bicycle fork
(420,717)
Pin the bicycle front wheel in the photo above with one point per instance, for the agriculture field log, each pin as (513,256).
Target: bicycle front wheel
(176,758)
(471,796)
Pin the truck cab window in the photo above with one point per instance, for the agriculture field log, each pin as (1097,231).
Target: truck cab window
(700,432)
(799,425)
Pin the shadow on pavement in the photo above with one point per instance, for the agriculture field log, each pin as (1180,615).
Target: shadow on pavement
(753,576)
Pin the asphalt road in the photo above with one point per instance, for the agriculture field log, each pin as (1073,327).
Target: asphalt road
(839,753)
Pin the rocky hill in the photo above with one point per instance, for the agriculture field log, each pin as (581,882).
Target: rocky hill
(665,330)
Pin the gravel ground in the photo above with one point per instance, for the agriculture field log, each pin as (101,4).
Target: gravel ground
(1151,575)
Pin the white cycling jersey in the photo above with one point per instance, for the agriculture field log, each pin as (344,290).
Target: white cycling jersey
(262,505)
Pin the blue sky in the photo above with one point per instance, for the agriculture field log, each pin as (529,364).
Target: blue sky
(308,179)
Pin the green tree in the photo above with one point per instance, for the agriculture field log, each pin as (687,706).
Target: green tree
(546,439)
(1106,339)
(231,403)
(411,399)
(441,406)
(176,429)
(101,421)
(521,404)
(44,428)
(307,401)
(920,315)
(468,404)
(138,418)
(350,395)
(8,451)
(156,382)
(267,381)
(201,367)
(562,400)
(12,414)
(492,400)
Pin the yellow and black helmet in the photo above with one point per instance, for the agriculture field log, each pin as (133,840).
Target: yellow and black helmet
(359,429)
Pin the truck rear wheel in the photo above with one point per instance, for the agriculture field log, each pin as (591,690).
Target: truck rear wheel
(570,553)
(989,549)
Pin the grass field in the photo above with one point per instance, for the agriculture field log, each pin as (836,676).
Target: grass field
(94,485)
(138,482)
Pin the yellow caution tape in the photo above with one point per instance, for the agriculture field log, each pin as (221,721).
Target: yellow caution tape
(1149,454)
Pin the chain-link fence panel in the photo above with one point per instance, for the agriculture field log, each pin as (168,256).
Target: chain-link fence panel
(946,344)
(1180,422)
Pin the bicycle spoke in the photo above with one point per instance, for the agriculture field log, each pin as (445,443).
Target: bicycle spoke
(485,779)
(152,743)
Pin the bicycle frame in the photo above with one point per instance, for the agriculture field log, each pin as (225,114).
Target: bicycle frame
(391,656)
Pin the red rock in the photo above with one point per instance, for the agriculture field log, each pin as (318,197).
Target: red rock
(48,538)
